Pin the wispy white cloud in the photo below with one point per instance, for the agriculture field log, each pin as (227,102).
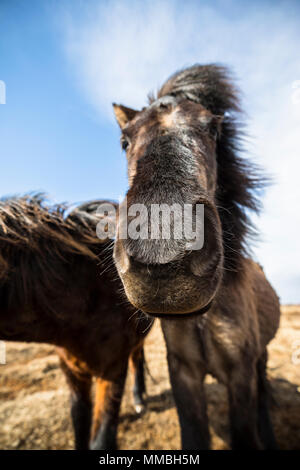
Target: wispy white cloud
(121,50)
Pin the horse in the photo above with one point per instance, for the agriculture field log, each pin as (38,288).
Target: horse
(51,291)
(218,311)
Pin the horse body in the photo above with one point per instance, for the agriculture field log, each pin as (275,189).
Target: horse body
(229,343)
(51,291)
(217,309)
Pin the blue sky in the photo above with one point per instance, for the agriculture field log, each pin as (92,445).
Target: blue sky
(64,63)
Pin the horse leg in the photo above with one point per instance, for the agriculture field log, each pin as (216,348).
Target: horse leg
(106,412)
(243,403)
(265,427)
(137,362)
(80,383)
(187,373)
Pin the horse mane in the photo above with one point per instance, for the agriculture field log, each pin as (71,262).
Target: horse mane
(42,246)
(238,180)
(29,224)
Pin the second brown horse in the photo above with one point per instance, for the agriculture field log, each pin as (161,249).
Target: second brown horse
(52,291)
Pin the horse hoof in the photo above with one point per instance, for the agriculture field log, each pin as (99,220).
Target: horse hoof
(139,408)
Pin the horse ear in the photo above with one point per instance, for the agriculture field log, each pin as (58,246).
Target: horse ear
(123,114)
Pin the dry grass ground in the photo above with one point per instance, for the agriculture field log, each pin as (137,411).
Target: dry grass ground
(34,399)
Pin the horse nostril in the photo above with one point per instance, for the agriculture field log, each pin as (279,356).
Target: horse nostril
(121,258)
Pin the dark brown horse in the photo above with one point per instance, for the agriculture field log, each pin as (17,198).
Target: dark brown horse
(184,149)
(52,291)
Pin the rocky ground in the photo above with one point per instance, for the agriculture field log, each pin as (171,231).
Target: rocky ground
(34,399)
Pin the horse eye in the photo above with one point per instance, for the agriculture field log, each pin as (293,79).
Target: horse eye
(124,144)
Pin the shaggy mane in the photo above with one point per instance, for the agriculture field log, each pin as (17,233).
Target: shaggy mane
(40,246)
(29,224)
(238,180)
